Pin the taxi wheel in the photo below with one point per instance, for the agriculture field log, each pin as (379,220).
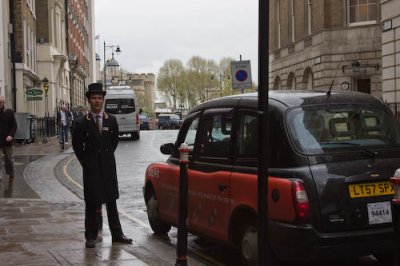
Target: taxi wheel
(156,224)
(248,246)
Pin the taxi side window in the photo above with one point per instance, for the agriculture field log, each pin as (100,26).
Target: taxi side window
(248,131)
(191,133)
(216,135)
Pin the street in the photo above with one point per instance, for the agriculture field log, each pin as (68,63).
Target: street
(132,159)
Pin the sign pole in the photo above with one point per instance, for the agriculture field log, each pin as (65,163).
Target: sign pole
(263,139)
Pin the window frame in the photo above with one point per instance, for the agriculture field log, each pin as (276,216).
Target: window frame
(201,131)
(360,23)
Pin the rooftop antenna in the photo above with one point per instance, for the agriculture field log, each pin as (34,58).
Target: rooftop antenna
(333,81)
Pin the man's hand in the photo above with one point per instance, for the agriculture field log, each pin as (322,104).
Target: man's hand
(9,138)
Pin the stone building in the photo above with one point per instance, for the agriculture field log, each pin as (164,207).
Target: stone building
(5,55)
(143,85)
(314,42)
(391,52)
(52,58)
(24,52)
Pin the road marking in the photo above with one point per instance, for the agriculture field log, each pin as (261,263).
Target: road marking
(123,212)
(67,175)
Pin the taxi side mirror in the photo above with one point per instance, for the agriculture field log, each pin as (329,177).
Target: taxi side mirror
(168,149)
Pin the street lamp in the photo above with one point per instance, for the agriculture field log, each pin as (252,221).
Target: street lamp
(111,63)
(45,83)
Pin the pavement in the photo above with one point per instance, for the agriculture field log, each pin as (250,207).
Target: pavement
(42,222)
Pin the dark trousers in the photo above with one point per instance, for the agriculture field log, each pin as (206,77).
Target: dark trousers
(91,226)
(8,152)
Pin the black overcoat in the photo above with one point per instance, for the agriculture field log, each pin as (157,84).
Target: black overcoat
(95,152)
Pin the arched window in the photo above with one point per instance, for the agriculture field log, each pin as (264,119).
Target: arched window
(308,79)
(277,83)
(291,81)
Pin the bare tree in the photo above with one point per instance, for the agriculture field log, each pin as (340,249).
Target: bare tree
(170,80)
(199,73)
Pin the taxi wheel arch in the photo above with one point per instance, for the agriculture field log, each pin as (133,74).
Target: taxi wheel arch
(239,218)
(243,235)
(158,226)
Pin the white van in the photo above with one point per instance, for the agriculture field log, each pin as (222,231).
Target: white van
(121,102)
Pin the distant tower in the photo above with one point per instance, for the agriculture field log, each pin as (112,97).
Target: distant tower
(143,85)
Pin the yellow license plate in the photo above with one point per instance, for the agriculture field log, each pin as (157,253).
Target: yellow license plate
(370,189)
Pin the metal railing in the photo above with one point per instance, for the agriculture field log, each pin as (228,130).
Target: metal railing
(45,127)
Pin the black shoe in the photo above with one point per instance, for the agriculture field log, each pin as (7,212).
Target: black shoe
(121,239)
(90,243)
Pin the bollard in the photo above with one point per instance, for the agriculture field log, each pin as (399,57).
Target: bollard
(181,247)
(396,216)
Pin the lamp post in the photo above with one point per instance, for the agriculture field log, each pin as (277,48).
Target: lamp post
(45,82)
(111,63)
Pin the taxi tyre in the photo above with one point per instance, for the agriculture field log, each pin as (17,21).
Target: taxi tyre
(153,214)
(248,245)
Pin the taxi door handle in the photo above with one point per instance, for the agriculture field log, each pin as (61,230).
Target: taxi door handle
(222,187)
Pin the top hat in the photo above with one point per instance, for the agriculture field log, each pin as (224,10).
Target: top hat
(95,88)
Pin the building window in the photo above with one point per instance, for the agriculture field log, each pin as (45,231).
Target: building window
(277,25)
(291,20)
(307,17)
(362,11)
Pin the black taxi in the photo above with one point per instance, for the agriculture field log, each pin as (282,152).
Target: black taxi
(330,157)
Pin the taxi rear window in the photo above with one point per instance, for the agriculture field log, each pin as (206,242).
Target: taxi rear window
(323,129)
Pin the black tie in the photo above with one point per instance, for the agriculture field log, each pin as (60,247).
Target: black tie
(98,124)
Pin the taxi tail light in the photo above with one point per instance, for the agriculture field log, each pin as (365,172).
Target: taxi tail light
(300,200)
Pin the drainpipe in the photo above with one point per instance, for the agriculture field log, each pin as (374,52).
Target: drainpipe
(13,54)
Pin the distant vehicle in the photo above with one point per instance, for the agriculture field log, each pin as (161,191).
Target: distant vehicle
(121,102)
(330,160)
(169,121)
(144,122)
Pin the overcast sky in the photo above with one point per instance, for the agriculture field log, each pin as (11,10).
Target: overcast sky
(149,32)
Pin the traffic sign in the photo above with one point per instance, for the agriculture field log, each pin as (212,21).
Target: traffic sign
(241,74)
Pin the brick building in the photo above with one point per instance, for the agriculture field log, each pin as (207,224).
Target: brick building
(313,41)
(80,46)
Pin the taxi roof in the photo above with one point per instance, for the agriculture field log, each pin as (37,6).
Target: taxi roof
(289,98)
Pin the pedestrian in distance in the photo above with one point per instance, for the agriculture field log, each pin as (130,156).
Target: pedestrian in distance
(8,127)
(94,142)
(64,121)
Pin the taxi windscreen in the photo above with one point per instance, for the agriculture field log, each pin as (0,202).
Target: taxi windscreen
(336,128)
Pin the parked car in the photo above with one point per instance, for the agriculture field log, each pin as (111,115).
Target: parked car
(169,121)
(144,121)
(330,158)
